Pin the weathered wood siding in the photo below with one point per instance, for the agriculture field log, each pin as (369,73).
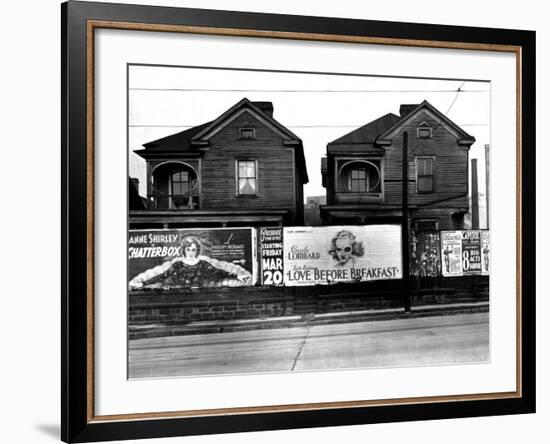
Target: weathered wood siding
(330,185)
(445,205)
(276,170)
(300,216)
(450,168)
(442,214)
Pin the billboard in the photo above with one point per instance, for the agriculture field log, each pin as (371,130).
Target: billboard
(425,259)
(485,253)
(465,252)
(451,252)
(333,254)
(270,240)
(192,258)
(471,252)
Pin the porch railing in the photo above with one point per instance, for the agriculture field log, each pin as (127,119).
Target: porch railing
(164,201)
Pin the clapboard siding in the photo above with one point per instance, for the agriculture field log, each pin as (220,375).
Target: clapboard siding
(443,216)
(276,169)
(212,151)
(445,205)
(450,165)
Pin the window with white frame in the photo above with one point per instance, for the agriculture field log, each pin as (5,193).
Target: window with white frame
(247,177)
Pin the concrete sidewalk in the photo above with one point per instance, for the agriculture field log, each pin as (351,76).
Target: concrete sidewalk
(418,341)
(234,325)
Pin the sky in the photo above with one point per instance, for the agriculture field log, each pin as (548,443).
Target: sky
(318,108)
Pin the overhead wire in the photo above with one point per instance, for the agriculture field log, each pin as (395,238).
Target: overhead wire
(385,91)
(458,91)
(288,126)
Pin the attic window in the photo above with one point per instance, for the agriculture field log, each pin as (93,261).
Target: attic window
(247,133)
(424,131)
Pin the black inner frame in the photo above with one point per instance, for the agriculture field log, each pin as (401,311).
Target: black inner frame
(74,423)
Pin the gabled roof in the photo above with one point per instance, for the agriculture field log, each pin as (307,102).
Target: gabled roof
(196,139)
(370,138)
(367,133)
(174,142)
(463,136)
(258,108)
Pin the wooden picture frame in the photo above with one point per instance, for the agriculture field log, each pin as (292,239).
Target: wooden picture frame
(79,22)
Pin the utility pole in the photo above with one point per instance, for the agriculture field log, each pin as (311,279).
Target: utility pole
(405,223)
(487,183)
(475,197)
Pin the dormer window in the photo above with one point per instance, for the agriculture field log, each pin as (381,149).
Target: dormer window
(247,133)
(424,131)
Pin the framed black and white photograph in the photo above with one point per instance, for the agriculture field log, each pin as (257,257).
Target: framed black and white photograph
(278,222)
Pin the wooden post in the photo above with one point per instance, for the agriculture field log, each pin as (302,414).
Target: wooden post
(405,223)
(475,197)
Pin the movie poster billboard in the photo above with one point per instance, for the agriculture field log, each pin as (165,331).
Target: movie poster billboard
(451,252)
(270,240)
(335,254)
(471,252)
(192,258)
(465,252)
(425,249)
(485,253)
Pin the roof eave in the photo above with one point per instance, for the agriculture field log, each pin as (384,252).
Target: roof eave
(425,104)
(294,142)
(148,154)
(466,142)
(200,136)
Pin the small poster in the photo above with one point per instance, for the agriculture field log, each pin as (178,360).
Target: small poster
(271,255)
(485,252)
(451,252)
(471,252)
(465,252)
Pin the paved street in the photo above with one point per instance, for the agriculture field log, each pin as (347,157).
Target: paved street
(400,342)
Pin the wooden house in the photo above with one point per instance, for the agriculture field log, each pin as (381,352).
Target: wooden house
(242,168)
(363,171)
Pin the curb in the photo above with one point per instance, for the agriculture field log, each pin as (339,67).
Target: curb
(310,319)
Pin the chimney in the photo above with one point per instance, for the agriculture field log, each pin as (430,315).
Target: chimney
(475,197)
(266,107)
(406,109)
